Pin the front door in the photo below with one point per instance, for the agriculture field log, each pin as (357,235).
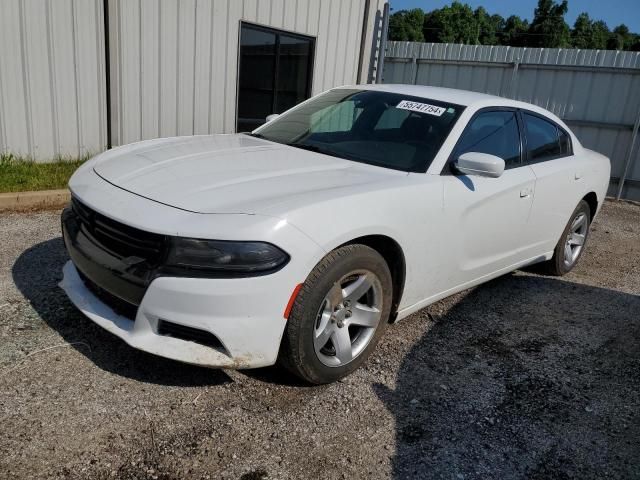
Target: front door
(487,217)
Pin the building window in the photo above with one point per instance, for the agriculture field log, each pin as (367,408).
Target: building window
(275,73)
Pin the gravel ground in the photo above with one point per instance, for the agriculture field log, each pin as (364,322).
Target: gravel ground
(526,377)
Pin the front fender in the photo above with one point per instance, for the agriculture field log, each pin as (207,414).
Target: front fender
(409,216)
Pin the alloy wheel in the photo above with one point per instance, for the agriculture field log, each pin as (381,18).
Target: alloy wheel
(348,318)
(575,239)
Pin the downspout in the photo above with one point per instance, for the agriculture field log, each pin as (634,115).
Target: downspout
(107,69)
(363,38)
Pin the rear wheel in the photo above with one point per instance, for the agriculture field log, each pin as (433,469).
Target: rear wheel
(338,316)
(572,242)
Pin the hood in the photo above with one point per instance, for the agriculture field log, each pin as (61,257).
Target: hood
(228,173)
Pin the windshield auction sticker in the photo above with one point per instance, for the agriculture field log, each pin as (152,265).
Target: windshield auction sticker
(421,108)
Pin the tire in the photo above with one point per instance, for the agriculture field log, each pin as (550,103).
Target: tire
(322,312)
(559,264)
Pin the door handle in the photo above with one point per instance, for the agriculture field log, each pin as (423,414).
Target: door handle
(524,193)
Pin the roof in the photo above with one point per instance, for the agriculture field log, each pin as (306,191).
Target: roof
(452,95)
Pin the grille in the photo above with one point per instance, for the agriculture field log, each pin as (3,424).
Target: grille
(191,334)
(121,307)
(120,239)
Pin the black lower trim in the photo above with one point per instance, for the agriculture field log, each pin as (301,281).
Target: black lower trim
(121,307)
(111,273)
(191,334)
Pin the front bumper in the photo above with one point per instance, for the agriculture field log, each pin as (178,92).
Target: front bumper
(243,314)
(246,315)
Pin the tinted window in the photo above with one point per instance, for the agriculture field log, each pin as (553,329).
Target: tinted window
(495,133)
(380,128)
(294,59)
(565,143)
(275,70)
(338,117)
(255,96)
(392,118)
(543,141)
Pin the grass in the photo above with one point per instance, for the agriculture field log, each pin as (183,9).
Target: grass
(22,175)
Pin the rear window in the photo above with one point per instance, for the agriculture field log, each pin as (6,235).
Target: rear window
(545,141)
(565,143)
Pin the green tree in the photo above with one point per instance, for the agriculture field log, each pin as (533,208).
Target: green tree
(453,23)
(582,31)
(489,27)
(622,38)
(406,25)
(515,31)
(459,23)
(498,23)
(601,35)
(589,34)
(548,28)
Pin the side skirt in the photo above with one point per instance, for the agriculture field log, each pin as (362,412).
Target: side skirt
(405,312)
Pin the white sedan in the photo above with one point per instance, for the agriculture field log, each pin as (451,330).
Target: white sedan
(302,240)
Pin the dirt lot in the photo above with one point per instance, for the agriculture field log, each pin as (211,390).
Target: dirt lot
(526,377)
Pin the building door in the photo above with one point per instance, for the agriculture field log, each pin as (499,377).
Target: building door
(275,73)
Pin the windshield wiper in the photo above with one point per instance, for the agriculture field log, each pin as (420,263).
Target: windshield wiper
(307,146)
(333,153)
(325,151)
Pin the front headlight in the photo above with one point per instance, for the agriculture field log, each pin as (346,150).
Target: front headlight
(224,256)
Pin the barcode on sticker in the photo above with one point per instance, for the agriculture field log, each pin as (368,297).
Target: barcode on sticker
(421,107)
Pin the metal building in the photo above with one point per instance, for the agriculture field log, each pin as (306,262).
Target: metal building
(77,76)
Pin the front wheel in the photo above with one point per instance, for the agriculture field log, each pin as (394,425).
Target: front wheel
(572,242)
(338,316)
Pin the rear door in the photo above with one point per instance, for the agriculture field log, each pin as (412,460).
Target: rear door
(487,217)
(559,180)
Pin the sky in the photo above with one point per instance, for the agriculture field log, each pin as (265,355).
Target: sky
(613,12)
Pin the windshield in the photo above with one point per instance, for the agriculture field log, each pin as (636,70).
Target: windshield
(379,128)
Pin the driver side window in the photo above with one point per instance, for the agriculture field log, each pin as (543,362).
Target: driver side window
(495,133)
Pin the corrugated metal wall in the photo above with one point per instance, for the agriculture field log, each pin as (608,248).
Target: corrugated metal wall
(52,88)
(174,64)
(596,92)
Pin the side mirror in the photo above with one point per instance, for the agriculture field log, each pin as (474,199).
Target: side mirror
(273,116)
(482,164)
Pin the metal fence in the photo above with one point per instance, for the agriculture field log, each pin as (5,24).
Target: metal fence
(595,92)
